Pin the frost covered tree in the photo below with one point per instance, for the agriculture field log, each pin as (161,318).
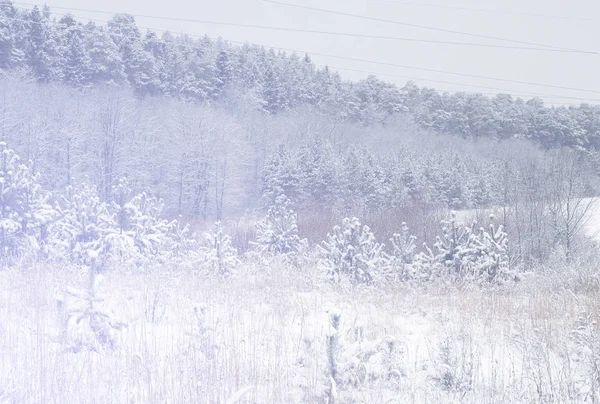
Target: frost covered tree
(85,325)
(83,222)
(141,232)
(150,231)
(466,252)
(41,51)
(24,209)
(403,254)
(277,233)
(280,176)
(129,230)
(351,251)
(219,255)
(491,259)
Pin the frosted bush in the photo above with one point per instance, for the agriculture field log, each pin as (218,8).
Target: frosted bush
(219,255)
(351,251)
(277,233)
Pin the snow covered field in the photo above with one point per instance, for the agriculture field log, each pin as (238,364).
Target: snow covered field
(268,334)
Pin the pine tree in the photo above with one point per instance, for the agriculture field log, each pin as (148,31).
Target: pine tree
(280,176)
(466,253)
(351,251)
(84,221)
(278,233)
(41,52)
(105,64)
(220,256)
(11,31)
(491,261)
(403,254)
(24,209)
(74,61)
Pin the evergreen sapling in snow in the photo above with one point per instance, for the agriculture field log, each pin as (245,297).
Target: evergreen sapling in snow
(403,254)
(465,252)
(220,256)
(82,225)
(24,210)
(351,251)
(277,234)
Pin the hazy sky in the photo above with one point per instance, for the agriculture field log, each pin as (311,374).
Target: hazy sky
(509,21)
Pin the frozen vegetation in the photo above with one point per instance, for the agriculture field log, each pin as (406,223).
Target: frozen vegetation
(184,220)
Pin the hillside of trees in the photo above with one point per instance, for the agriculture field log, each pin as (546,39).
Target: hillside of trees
(61,49)
(219,132)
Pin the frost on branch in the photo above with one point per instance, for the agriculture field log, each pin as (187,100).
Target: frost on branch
(466,252)
(83,223)
(24,209)
(277,234)
(219,254)
(84,324)
(352,252)
(403,254)
(128,231)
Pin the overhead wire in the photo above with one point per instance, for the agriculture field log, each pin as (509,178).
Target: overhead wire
(332,33)
(425,27)
(398,65)
(522,93)
(482,10)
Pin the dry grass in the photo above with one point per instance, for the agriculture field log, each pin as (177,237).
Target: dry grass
(261,334)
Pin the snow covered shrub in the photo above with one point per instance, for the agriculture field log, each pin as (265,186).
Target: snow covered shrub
(466,252)
(333,350)
(277,234)
(586,337)
(453,364)
(402,255)
(82,224)
(141,235)
(128,231)
(351,251)
(182,244)
(490,258)
(146,227)
(219,255)
(24,209)
(359,361)
(85,325)
(120,244)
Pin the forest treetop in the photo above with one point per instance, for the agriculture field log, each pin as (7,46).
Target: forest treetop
(207,71)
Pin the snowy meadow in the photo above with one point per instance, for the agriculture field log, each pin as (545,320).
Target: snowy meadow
(188,220)
(273,334)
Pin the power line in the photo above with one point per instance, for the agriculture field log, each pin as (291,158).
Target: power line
(426,27)
(445,72)
(481,10)
(462,84)
(404,66)
(522,93)
(346,34)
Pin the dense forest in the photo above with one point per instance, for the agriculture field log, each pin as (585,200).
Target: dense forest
(219,132)
(206,71)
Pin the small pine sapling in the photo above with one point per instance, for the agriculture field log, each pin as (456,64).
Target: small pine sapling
(277,234)
(24,210)
(403,254)
(82,224)
(220,256)
(352,251)
(333,350)
(86,327)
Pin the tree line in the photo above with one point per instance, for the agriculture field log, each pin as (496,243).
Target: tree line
(207,71)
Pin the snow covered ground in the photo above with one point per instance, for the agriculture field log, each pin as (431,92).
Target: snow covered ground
(265,335)
(591,220)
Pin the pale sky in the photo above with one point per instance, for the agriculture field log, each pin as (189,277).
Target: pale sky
(581,31)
